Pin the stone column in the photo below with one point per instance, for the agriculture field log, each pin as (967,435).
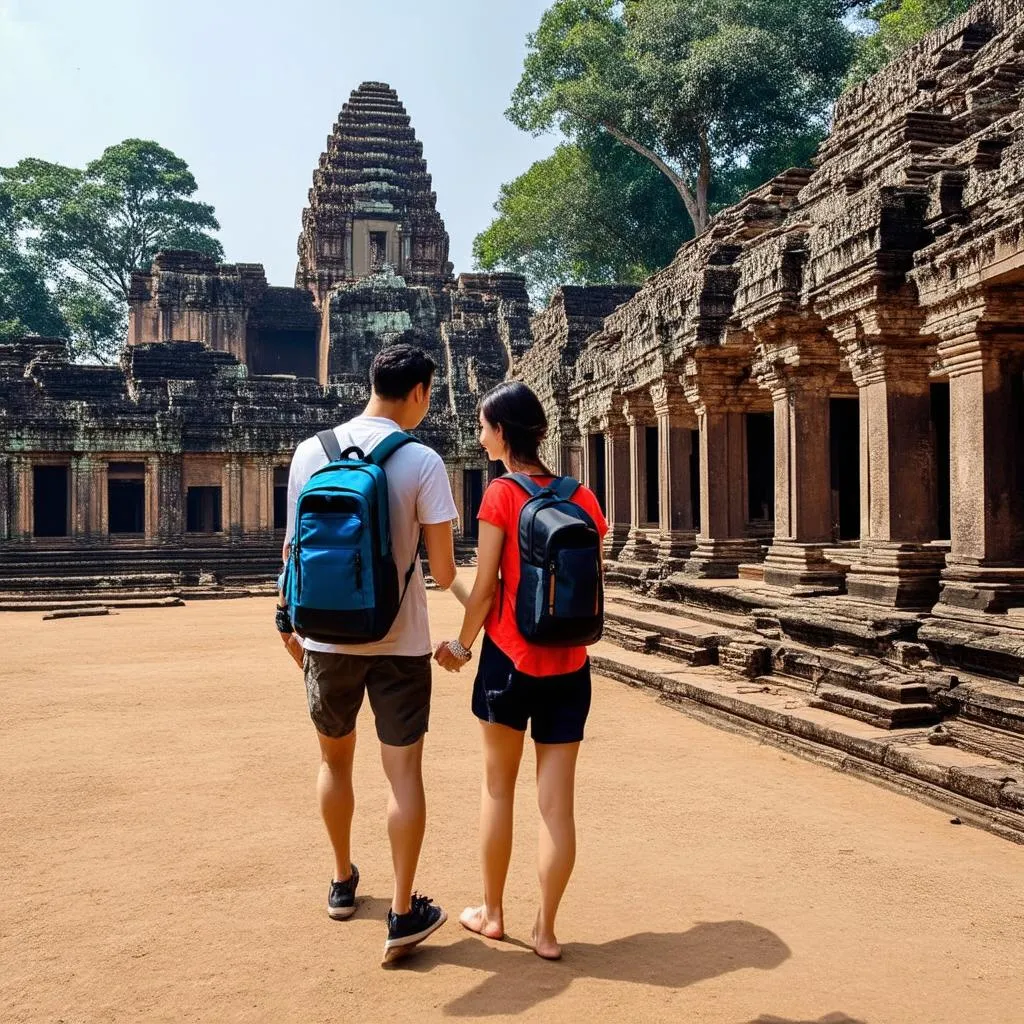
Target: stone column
(619,485)
(171,489)
(800,380)
(152,498)
(231,511)
(898,564)
(6,498)
(985,567)
(639,546)
(676,421)
(85,483)
(21,499)
(265,498)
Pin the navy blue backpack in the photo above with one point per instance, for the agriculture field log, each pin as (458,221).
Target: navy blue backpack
(560,600)
(341,582)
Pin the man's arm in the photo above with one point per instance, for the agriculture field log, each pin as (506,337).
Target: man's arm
(439,539)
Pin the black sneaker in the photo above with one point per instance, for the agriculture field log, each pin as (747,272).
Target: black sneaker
(408,930)
(341,901)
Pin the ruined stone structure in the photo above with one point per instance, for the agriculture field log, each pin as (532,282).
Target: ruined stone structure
(172,467)
(822,400)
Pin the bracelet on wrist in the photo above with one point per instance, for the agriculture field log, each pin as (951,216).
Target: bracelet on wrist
(283,621)
(460,652)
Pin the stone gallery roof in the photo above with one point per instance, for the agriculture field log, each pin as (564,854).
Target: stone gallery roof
(373,168)
(915,203)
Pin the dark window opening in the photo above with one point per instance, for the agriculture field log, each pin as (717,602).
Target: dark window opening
(940,433)
(378,249)
(844,435)
(472,496)
(126,497)
(760,466)
(695,477)
(50,508)
(203,510)
(598,482)
(653,491)
(280,498)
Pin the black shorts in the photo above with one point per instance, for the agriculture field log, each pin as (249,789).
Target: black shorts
(399,689)
(556,706)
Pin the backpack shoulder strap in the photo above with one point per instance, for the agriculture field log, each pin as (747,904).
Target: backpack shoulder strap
(565,488)
(329,442)
(386,448)
(524,481)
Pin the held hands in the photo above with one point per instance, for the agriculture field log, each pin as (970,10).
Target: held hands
(450,655)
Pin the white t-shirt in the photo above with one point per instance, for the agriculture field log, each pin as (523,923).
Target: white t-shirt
(419,494)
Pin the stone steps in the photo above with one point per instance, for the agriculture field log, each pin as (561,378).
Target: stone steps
(983,789)
(633,629)
(886,714)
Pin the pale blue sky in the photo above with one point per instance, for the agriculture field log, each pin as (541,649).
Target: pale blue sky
(247,93)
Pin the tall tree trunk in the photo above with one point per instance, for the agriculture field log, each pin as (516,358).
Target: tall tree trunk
(703,179)
(697,210)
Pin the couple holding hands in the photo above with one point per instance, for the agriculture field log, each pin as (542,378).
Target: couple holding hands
(518,681)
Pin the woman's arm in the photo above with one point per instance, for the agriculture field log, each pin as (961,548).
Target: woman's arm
(481,597)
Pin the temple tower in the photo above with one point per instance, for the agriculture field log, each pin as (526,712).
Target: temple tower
(371,203)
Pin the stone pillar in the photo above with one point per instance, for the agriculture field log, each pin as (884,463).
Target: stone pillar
(171,488)
(676,421)
(639,546)
(231,522)
(265,497)
(985,567)
(619,484)
(87,481)
(6,498)
(21,499)
(898,564)
(800,386)
(152,498)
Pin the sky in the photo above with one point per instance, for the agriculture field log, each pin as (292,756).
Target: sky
(247,91)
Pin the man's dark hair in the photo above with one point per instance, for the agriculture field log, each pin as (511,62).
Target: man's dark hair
(397,369)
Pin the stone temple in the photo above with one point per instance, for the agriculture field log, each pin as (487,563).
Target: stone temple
(807,431)
(172,468)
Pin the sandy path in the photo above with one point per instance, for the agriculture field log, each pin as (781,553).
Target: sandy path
(161,858)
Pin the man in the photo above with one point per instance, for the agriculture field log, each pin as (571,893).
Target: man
(394,672)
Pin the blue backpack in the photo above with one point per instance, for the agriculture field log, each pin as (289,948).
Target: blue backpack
(560,600)
(341,582)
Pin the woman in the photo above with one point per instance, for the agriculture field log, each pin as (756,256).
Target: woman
(517,681)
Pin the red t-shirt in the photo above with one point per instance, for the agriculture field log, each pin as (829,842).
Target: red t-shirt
(503,500)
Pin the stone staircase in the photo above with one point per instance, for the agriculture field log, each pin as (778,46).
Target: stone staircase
(874,705)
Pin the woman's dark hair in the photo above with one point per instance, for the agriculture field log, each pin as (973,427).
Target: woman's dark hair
(517,410)
(397,369)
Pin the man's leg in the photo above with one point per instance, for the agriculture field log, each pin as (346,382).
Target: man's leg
(407,816)
(337,799)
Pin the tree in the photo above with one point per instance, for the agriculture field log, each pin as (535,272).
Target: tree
(894,26)
(583,215)
(692,86)
(26,304)
(93,228)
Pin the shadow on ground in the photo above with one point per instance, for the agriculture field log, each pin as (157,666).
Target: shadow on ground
(518,980)
(829,1018)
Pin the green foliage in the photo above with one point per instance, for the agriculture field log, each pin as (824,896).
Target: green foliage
(696,87)
(593,214)
(88,230)
(894,26)
(26,304)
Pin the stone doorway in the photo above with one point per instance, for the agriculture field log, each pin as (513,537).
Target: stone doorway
(50,501)
(203,510)
(844,435)
(653,495)
(761,468)
(598,482)
(695,477)
(126,498)
(281,498)
(941,440)
(472,496)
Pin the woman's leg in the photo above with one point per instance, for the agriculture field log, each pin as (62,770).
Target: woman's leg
(556,848)
(503,750)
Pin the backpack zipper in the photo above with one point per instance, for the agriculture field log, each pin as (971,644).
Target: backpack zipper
(359,571)
(551,589)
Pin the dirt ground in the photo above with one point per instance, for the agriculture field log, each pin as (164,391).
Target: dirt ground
(161,858)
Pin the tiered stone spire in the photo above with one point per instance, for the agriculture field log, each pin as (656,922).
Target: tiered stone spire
(371,203)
